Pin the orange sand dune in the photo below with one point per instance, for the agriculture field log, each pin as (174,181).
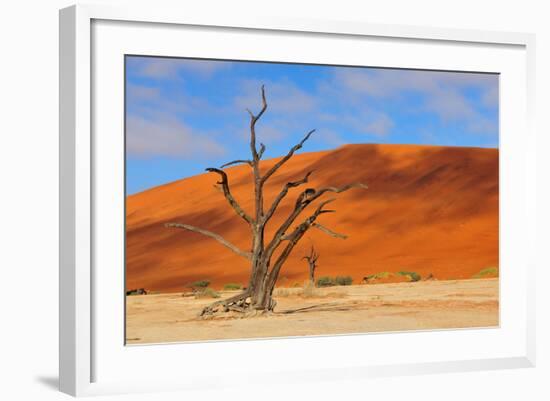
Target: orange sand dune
(428,209)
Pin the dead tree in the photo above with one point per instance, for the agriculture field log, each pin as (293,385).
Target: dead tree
(265,263)
(312,264)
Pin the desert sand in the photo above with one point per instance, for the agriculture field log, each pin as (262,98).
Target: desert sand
(422,305)
(429,209)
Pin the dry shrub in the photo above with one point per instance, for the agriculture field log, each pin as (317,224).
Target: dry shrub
(489,272)
(206,293)
(309,290)
(282,292)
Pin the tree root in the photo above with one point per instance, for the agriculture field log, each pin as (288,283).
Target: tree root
(240,304)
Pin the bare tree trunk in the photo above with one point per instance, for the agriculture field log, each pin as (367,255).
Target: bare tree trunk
(258,296)
(312,264)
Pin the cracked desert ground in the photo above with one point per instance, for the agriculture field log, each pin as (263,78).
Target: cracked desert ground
(423,305)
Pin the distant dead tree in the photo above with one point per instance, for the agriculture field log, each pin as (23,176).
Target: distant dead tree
(265,267)
(312,264)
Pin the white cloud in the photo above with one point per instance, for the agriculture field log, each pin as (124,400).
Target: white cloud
(166,136)
(171,68)
(139,93)
(443,93)
(391,82)
(364,120)
(329,137)
(490,97)
(450,105)
(282,97)
(380,126)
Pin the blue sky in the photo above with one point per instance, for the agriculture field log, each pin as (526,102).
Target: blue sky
(183,115)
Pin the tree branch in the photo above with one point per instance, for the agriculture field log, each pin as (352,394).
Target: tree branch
(285,158)
(337,190)
(227,193)
(253,120)
(309,221)
(283,193)
(262,150)
(329,231)
(249,162)
(293,239)
(304,199)
(210,234)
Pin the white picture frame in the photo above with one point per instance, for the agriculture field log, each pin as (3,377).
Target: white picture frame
(81,340)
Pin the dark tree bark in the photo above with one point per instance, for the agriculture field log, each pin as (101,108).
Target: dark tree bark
(257,298)
(312,264)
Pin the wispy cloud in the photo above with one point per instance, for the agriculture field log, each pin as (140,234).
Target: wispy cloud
(442,93)
(140,93)
(166,136)
(490,97)
(284,97)
(363,120)
(174,68)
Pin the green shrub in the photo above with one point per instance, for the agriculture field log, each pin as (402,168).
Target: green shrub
(487,272)
(378,275)
(413,275)
(232,286)
(200,284)
(343,280)
(207,293)
(325,281)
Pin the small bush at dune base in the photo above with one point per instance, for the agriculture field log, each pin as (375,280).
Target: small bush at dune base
(200,284)
(343,280)
(487,273)
(414,276)
(232,286)
(327,281)
(207,293)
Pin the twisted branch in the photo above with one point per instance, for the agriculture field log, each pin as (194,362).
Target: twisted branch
(210,234)
(329,231)
(285,158)
(283,193)
(249,162)
(227,193)
(253,120)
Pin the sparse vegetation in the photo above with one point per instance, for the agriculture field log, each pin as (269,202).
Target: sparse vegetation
(200,284)
(207,293)
(343,280)
(232,287)
(389,277)
(284,292)
(327,281)
(487,273)
(414,276)
(377,276)
(309,290)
